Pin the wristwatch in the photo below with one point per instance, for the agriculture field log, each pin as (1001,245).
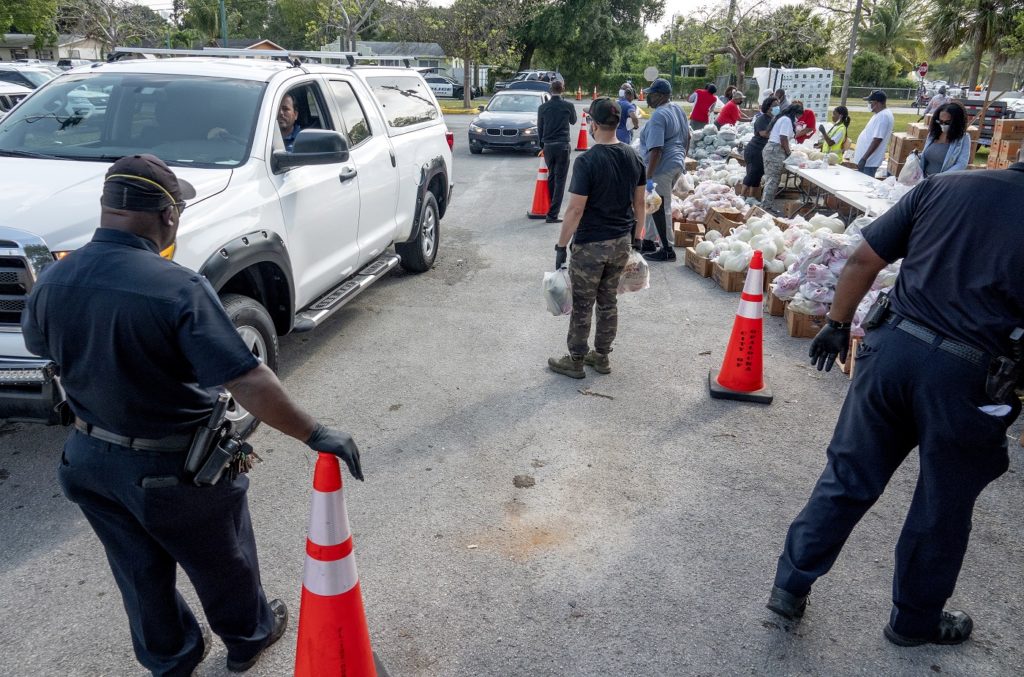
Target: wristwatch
(838,325)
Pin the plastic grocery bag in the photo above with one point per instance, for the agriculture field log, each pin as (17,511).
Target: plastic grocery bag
(912,172)
(636,276)
(558,292)
(652,201)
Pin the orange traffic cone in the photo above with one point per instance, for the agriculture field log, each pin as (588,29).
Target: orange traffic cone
(594,96)
(333,637)
(579,92)
(742,374)
(641,93)
(581,141)
(541,196)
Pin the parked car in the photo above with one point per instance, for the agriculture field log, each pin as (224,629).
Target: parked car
(509,120)
(26,75)
(443,86)
(10,94)
(543,76)
(68,64)
(286,238)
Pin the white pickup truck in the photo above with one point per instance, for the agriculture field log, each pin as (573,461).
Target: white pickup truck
(286,237)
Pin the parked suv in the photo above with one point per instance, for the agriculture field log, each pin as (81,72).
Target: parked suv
(542,76)
(287,238)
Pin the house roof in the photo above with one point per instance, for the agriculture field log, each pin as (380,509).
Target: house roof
(28,39)
(249,43)
(420,49)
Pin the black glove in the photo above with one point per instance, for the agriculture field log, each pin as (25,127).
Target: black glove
(560,256)
(827,345)
(338,443)
(638,244)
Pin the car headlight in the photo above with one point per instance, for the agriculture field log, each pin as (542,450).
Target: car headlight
(530,131)
(476,128)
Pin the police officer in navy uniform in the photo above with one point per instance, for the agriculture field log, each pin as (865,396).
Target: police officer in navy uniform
(143,347)
(922,381)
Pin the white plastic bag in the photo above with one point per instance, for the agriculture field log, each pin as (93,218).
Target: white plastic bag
(558,292)
(912,172)
(636,276)
(652,201)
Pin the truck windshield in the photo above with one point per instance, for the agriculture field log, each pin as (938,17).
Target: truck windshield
(185,121)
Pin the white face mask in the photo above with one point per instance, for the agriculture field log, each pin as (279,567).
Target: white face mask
(622,94)
(944,128)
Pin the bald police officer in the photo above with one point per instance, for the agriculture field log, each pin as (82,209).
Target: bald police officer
(923,380)
(143,348)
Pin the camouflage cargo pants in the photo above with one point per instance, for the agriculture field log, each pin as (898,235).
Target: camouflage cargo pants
(594,270)
(774,164)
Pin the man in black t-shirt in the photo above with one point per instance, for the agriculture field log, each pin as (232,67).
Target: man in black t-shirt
(921,381)
(554,120)
(605,197)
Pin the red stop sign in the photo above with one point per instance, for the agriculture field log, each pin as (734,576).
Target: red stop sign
(922,70)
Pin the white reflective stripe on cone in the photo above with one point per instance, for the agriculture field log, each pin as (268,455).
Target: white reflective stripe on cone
(328,518)
(542,176)
(754,283)
(330,578)
(750,310)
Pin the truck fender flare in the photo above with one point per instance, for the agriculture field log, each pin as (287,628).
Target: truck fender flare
(428,171)
(246,251)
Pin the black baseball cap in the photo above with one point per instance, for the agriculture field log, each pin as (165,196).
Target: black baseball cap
(877,95)
(144,183)
(604,111)
(659,86)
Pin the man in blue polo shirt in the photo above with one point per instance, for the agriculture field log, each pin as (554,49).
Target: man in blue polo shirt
(922,381)
(664,141)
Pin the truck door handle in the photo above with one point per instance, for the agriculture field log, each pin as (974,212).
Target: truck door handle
(392,151)
(347,174)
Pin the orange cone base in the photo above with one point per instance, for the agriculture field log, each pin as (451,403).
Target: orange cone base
(531,215)
(332,636)
(720,392)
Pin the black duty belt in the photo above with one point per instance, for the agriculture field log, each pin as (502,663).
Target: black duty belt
(171,443)
(961,350)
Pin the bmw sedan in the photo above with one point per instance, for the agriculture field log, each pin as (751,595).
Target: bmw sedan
(508,121)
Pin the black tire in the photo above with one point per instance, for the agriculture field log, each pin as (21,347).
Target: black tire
(256,327)
(418,256)
(476,149)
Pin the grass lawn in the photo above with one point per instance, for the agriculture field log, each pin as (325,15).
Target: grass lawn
(454,106)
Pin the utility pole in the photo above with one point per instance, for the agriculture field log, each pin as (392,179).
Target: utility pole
(224,23)
(849,55)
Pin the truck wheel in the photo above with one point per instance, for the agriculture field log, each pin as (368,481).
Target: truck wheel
(257,330)
(418,256)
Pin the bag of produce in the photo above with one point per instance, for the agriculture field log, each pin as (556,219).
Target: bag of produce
(558,292)
(652,201)
(912,172)
(636,276)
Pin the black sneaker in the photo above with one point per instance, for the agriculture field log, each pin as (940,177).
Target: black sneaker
(661,255)
(786,604)
(280,612)
(552,219)
(648,246)
(954,628)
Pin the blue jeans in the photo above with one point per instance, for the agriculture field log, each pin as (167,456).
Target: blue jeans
(870,171)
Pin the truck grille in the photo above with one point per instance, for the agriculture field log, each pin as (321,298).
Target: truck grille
(15,282)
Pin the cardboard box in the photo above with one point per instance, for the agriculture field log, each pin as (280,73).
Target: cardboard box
(773,305)
(851,359)
(723,220)
(1008,129)
(789,208)
(974,133)
(684,238)
(756,212)
(690,165)
(698,264)
(928,119)
(916,130)
(769,278)
(729,281)
(803,326)
(902,145)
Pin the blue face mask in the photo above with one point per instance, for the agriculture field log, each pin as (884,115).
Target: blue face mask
(775,110)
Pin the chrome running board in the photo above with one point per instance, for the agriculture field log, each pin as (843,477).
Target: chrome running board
(337,298)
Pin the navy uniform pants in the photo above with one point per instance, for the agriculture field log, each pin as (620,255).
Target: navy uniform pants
(556,157)
(147,532)
(905,394)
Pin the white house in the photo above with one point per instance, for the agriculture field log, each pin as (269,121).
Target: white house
(15,46)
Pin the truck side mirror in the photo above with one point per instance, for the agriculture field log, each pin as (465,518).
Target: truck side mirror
(313,147)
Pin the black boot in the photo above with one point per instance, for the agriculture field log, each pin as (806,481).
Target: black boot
(662,255)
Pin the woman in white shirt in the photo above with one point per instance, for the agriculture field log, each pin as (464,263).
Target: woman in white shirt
(783,129)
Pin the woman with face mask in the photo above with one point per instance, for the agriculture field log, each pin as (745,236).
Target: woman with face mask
(780,136)
(836,138)
(948,147)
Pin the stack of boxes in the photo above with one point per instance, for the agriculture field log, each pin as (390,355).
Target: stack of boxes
(1007,136)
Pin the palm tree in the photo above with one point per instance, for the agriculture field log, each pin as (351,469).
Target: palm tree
(893,32)
(977,23)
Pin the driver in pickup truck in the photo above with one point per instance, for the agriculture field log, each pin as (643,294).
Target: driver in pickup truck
(287,115)
(143,347)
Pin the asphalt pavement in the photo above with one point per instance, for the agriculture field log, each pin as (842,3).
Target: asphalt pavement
(640,537)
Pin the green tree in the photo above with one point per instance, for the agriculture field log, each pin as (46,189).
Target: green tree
(113,23)
(893,31)
(36,17)
(980,24)
(873,70)
(807,46)
(472,30)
